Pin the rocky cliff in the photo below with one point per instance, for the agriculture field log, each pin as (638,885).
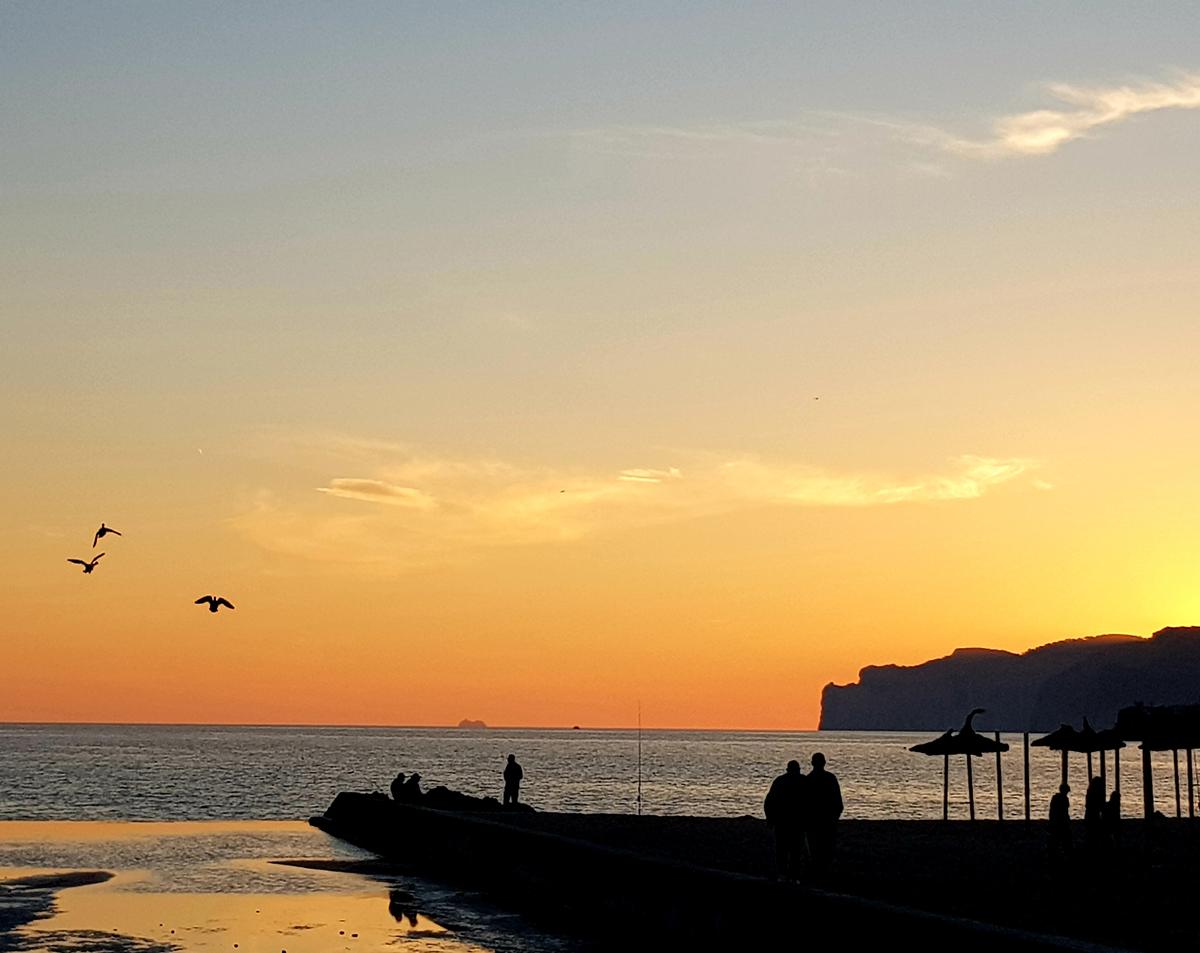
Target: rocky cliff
(1032,691)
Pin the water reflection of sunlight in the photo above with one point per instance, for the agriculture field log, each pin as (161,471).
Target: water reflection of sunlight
(211,886)
(297,923)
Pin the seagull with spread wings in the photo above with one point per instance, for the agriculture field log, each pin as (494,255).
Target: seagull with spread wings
(101,533)
(88,566)
(214,602)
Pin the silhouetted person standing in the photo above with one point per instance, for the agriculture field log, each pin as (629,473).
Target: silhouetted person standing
(512,781)
(824,802)
(784,808)
(1060,822)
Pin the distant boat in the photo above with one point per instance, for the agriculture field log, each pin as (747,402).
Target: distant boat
(472,724)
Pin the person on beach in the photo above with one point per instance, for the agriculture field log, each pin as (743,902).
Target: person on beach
(398,787)
(824,803)
(1060,822)
(512,781)
(784,808)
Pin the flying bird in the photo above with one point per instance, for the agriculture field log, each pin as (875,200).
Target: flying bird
(214,602)
(101,533)
(88,566)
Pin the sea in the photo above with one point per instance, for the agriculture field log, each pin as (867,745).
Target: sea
(196,824)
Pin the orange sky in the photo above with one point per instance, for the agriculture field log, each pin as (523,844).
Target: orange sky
(478,366)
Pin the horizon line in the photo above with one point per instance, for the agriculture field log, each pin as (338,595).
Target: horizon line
(235,724)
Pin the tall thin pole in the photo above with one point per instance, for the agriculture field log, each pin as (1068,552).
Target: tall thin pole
(639,770)
(1191,787)
(1175,756)
(999,783)
(1025,744)
(945,787)
(970,787)
(1147,782)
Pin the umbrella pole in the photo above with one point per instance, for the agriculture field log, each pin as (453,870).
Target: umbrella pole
(1025,746)
(1000,782)
(945,787)
(970,787)
(1089,754)
(1103,775)
(1064,765)
(1191,787)
(1117,770)
(1147,782)
(1175,756)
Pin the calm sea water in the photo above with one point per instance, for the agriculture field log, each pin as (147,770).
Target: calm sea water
(230,800)
(96,772)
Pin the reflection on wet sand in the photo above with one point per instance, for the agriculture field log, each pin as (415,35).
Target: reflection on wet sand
(211,886)
(296,923)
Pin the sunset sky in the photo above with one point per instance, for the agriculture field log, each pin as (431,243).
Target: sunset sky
(473,351)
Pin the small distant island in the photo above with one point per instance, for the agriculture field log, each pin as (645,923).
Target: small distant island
(1032,691)
(472,724)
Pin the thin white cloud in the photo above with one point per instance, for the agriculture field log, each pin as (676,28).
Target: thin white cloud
(432,509)
(377,491)
(1044,131)
(643,475)
(827,143)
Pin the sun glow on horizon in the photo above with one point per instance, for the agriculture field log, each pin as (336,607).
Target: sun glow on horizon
(509,365)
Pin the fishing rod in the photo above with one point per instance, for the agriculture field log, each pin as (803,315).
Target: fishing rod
(639,758)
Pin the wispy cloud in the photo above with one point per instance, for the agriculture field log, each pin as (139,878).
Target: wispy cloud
(830,143)
(1044,131)
(376,491)
(434,509)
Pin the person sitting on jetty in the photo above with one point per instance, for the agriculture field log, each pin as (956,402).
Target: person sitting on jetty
(1060,822)
(512,781)
(784,807)
(410,790)
(824,806)
(398,787)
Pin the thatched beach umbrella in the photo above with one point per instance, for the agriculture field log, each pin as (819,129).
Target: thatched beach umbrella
(967,742)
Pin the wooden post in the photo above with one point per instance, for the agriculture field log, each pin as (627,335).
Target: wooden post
(1191,787)
(1147,783)
(1175,756)
(945,787)
(970,787)
(1000,783)
(1025,745)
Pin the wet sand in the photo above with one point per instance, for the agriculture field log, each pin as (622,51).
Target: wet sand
(213,886)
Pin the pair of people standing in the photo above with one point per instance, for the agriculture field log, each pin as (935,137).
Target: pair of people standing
(804,808)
